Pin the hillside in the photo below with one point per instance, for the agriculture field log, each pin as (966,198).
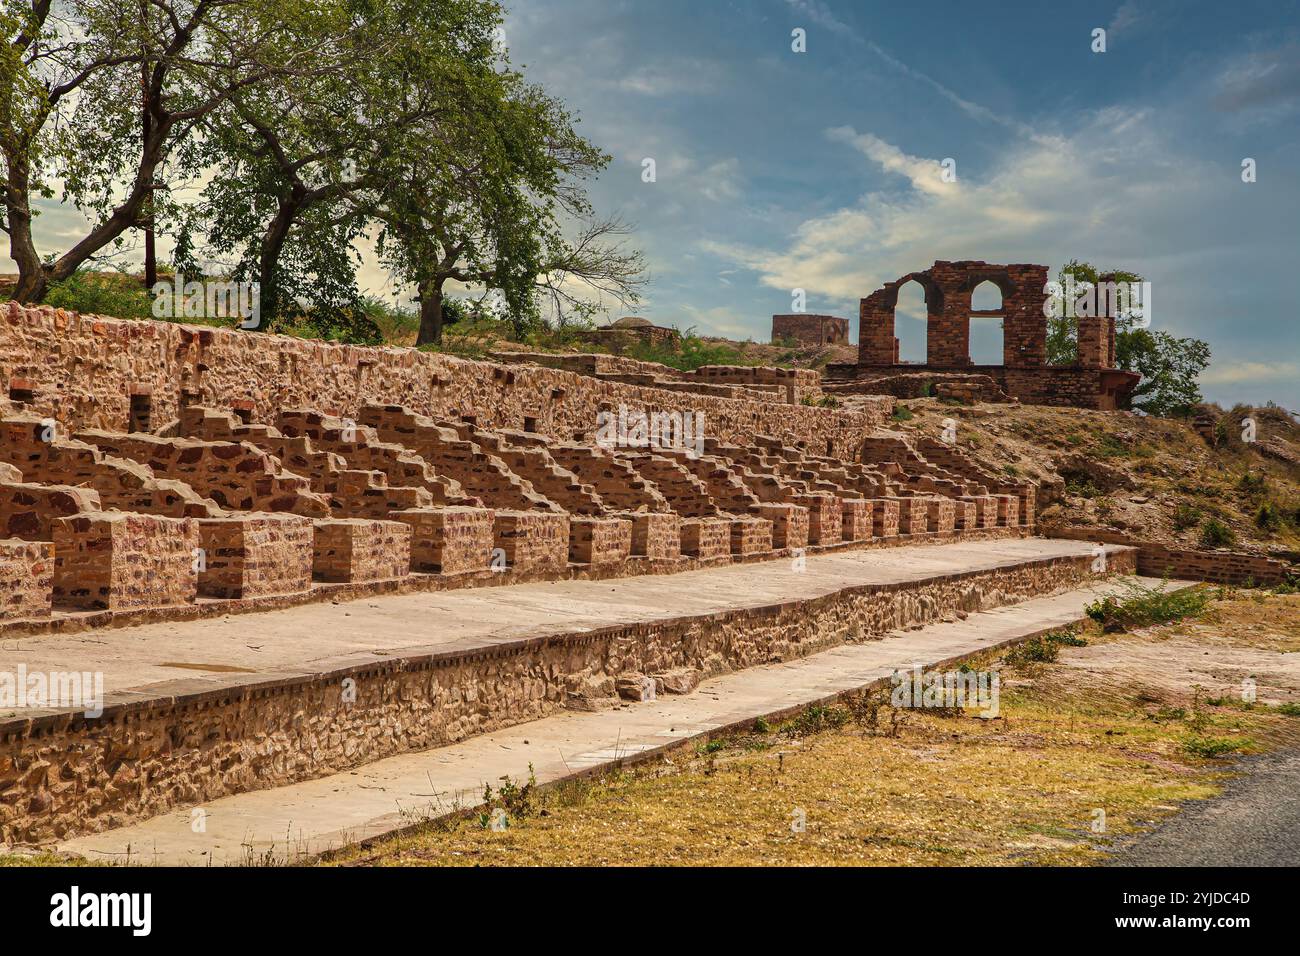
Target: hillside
(1148,477)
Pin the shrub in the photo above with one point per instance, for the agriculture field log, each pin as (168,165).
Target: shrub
(1045,649)
(102,293)
(1269,518)
(1216,534)
(1186,516)
(690,354)
(1209,747)
(817,718)
(902,413)
(1142,606)
(1253,483)
(1036,650)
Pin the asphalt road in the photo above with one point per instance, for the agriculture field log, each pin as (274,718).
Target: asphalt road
(1254,822)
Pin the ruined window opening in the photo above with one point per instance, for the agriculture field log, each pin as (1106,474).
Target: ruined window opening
(141,413)
(21,395)
(470,420)
(912,324)
(530,424)
(245,415)
(986,342)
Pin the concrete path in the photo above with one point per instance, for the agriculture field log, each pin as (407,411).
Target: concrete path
(1254,822)
(176,658)
(318,815)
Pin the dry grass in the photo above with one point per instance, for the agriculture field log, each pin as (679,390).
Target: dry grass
(1152,477)
(929,791)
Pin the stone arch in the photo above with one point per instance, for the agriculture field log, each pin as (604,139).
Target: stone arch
(877,341)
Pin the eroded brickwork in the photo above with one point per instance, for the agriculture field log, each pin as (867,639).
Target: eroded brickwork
(1024,374)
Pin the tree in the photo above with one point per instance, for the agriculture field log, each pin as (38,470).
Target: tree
(296,175)
(1170,366)
(483,197)
(73,76)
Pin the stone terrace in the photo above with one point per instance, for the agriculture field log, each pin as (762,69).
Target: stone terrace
(449,486)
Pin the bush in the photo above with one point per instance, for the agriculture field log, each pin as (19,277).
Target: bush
(1216,534)
(1142,606)
(1045,649)
(1186,516)
(690,354)
(817,718)
(902,413)
(114,294)
(1209,747)
(1253,483)
(1269,518)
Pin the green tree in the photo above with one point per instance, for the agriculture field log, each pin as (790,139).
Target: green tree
(1170,366)
(106,96)
(484,198)
(297,176)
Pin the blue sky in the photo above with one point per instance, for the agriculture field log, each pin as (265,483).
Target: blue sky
(820,170)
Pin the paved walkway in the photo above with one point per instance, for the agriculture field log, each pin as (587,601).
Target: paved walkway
(1254,822)
(317,815)
(176,658)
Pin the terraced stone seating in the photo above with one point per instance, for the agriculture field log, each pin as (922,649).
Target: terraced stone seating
(530,532)
(265,510)
(237,475)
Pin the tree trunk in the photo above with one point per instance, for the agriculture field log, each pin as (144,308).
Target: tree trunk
(430,312)
(32,279)
(269,259)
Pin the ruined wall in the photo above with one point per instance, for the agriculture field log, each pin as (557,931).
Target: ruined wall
(82,370)
(810,330)
(1159,560)
(1091,383)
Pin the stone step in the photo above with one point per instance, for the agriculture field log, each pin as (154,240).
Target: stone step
(393,794)
(198,710)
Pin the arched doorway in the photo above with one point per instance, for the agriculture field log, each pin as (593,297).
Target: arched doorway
(910,322)
(986,326)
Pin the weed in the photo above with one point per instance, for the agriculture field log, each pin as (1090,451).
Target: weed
(1186,516)
(1142,606)
(1209,747)
(816,718)
(1216,534)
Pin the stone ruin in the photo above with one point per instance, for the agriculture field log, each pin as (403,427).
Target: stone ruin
(1092,381)
(155,468)
(810,330)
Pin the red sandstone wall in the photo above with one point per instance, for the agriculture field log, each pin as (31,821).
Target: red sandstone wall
(1158,560)
(83,368)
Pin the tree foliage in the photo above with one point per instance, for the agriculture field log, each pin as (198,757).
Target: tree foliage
(307,128)
(1170,366)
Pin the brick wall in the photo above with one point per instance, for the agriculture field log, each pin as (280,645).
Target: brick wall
(83,369)
(1159,560)
(811,330)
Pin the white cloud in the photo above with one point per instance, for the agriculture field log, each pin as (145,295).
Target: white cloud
(1234,373)
(1055,198)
